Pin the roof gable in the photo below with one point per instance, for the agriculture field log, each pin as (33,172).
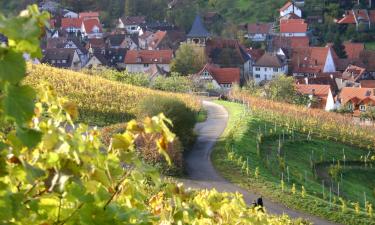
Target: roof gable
(149,57)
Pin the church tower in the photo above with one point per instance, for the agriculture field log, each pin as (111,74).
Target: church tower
(198,33)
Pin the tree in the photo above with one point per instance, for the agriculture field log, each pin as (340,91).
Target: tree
(130,7)
(281,88)
(339,48)
(189,59)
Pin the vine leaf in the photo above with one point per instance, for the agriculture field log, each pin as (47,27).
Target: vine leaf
(29,137)
(18,103)
(13,66)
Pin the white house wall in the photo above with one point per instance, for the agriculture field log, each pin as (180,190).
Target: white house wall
(289,10)
(330,105)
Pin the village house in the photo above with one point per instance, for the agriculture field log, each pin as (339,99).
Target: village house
(351,77)
(269,66)
(321,96)
(92,29)
(96,59)
(310,61)
(66,58)
(71,25)
(69,43)
(152,41)
(293,28)
(258,31)
(139,61)
(132,24)
(290,8)
(356,99)
(127,41)
(89,15)
(220,78)
(363,19)
(323,79)
(229,53)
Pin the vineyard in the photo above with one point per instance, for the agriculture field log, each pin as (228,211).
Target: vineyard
(316,122)
(50,174)
(307,172)
(100,101)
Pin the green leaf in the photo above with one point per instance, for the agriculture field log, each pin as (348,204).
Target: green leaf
(29,137)
(12,66)
(18,103)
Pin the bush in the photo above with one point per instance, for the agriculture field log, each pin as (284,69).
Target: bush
(148,151)
(183,117)
(173,83)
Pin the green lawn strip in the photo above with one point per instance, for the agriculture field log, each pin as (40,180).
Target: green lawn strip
(370,45)
(202,116)
(268,183)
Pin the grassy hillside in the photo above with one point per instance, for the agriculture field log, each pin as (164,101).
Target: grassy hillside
(100,101)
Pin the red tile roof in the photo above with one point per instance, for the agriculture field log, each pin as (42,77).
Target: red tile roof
(348,18)
(148,57)
(367,83)
(89,25)
(309,59)
(133,20)
(71,22)
(255,53)
(156,38)
(88,15)
(222,75)
(356,95)
(259,28)
(353,50)
(293,26)
(315,89)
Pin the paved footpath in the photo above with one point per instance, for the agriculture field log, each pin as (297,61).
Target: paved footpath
(202,175)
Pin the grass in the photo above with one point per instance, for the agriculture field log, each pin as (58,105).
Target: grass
(296,152)
(202,116)
(370,45)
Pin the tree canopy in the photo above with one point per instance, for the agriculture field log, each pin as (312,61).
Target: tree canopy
(189,59)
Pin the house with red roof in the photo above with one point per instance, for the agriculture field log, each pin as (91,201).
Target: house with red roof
(310,61)
(293,28)
(258,31)
(320,95)
(269,66)
(71,25)
(152,41)
(357,99)
(140,61)
(91,28)
(353,50)
(89,15)
(132,24)
(290,8)
(363,19)
(220,78)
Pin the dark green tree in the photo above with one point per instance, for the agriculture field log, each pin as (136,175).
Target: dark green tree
(339,48)
(130,7)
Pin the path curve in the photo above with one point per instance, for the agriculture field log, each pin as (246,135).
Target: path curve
(202,175)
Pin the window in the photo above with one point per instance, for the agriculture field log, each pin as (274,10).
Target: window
(257,68)
(63,61)
(257,75)
(52,61)
(362,108)
(275,69)
(265,69)
(206,74)
(350,106)
(145,65)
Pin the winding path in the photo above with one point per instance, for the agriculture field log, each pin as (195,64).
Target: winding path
(202,175)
